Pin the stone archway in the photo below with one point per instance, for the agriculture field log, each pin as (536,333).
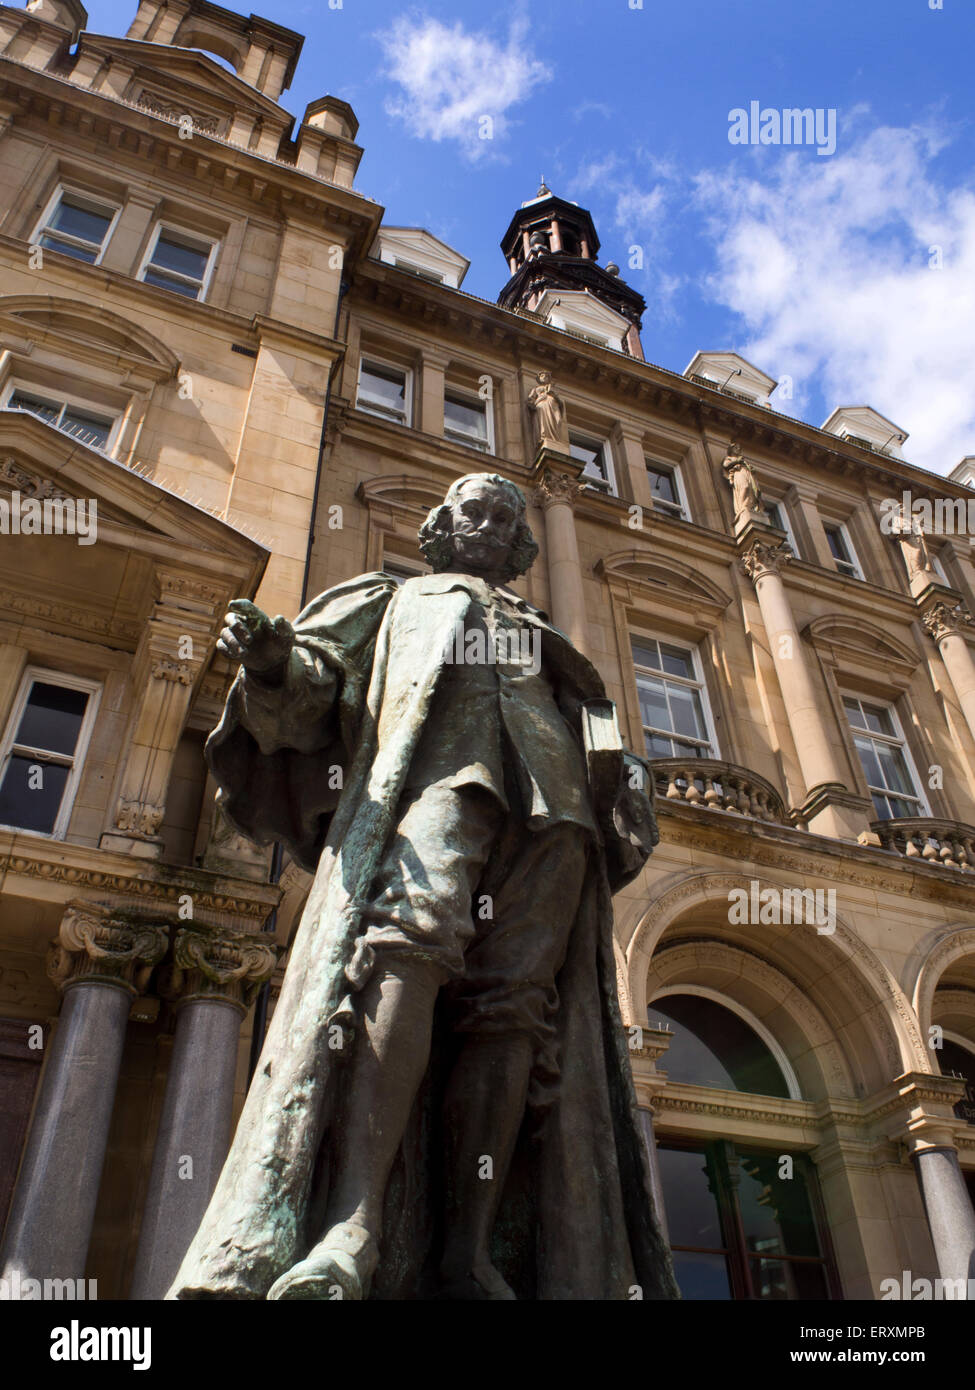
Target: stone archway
(866,1012)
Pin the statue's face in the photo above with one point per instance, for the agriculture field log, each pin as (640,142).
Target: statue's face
(483,523)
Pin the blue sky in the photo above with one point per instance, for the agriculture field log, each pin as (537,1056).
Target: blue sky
(853,274)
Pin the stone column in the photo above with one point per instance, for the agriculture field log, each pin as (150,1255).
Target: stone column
(829,807)
(949,1211)
(951,625)
(214,979)
(101,960)
(557,485)
(646,1046)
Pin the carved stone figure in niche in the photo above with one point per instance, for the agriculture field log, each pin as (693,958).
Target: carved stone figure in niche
(746,494)
(450,999)
(551,425)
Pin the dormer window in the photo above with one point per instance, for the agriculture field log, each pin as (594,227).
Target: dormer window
(420,253)
(732,375)
(76,225)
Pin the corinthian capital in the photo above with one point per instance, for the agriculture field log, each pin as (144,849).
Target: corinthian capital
(218,965)
(554,487)
(764,557)
(947,620)
(102,945)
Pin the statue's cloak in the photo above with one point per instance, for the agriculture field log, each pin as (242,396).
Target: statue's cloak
(577,1219)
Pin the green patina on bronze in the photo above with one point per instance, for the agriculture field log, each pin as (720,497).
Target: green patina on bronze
(365,681)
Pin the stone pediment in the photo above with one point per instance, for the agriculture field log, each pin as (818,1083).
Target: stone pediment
(401,493)
(89,329)
(87,541)
(855,642)
(671,576)
(169,74)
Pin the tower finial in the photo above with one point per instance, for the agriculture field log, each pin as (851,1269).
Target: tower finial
(543,188)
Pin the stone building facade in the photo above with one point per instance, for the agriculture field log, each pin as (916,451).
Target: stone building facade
(213,344)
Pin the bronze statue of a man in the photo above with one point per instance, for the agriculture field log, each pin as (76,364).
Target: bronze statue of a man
(443,1106)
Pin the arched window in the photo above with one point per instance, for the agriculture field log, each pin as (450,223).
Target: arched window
(714,1046)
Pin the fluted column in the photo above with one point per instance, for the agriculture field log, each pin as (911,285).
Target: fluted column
(101,960)
(557,485)
(829,807)
(951,625)
(214,979)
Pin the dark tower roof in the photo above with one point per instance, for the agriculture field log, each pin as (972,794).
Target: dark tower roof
(551,243)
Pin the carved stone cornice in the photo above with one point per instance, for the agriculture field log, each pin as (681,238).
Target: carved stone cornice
(102,945)
(764,557)
(219,966)
(948,620)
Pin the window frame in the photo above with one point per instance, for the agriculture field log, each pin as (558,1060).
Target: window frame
(161,226)
(54,202)
(468,397)
(854,559)
(367,360)
(9,742)
(899,739)
(699,683)
(603,443)
(660,466)
(721,1155)
(780,505)
(16,385)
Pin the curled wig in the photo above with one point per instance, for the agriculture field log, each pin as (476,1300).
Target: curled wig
(436,543)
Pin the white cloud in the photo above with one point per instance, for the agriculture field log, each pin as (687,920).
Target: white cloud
(452,78)
(828,264)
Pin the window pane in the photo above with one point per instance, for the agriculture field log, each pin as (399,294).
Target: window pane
(171,254)
(777,1279)
(47,410)
(384,388)
(654,710)
(853,713)
(52,719)
(662,486)
(685,707)
(713,1047)
(585,453)
(836,544)
(690,1204)
(894,768)
(871,766)
(659,747)
(647,654)
(776,1213)
(676,662)
(702,1276)
(80,253)
(91,428)
(79,221)
(878,720)
(166,282)
(32,807)
(465,417)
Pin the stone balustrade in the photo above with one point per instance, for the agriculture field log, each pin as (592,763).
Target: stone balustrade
(718,786)
(946,842)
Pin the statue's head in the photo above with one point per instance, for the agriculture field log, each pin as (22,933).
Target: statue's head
(480,528)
